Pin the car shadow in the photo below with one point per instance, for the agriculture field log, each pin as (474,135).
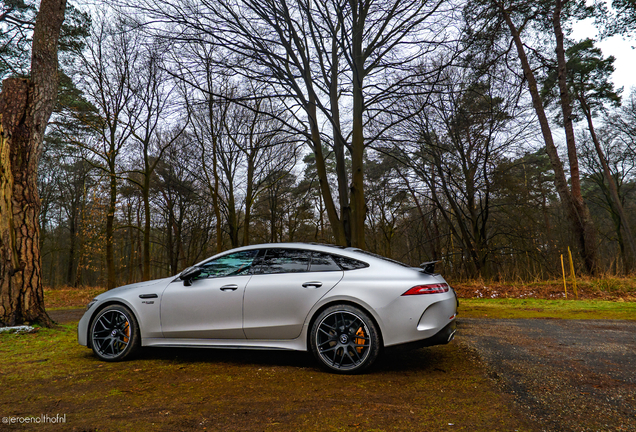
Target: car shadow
(397,359)
(234,356)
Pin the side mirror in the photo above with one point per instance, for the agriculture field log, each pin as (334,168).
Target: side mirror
(190,273)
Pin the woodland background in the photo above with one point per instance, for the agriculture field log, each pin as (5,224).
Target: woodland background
(408,128)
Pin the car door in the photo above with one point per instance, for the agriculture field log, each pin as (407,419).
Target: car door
(212,307)
(285,286)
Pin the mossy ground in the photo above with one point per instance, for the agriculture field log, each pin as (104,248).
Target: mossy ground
(432,389)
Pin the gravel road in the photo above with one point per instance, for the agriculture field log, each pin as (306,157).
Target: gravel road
(566,375)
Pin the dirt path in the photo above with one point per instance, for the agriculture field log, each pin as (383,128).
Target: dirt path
(66,316)
(565,374)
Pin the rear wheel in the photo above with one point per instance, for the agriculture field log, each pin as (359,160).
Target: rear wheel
(344,339)
(114,333)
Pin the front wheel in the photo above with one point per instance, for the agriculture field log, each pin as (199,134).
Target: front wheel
(114,333)
(344,339)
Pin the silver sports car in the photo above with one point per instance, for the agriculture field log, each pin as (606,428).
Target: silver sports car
(343,304)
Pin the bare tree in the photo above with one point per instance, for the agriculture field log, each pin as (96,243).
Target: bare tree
(108,66)
(458,141)
(322,59)
(149,113)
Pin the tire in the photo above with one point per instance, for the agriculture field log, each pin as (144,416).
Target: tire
(114,333)
(344,339)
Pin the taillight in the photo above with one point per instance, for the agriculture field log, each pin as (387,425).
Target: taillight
(428,289)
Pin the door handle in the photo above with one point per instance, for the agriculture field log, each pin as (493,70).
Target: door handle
(231,287)
(312,284)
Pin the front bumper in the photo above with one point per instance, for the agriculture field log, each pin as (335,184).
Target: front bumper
(82,330)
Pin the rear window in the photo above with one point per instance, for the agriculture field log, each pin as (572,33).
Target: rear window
(323,262)
(346,263)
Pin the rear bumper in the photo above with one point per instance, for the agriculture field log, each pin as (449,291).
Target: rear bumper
(442,337)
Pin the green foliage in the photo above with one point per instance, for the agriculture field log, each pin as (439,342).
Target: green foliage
(588,77)
(17,18)
(75,30)
(16,25)
(619,19)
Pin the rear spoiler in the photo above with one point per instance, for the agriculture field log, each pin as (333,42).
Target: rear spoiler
(429,267)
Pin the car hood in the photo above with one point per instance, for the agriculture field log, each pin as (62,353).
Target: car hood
(119,290)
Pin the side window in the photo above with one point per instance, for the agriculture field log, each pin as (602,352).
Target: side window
(349,263)
(284,261)
(236,264)
(323,262)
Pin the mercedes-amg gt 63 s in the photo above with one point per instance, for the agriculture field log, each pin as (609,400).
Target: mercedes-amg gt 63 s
(343,304)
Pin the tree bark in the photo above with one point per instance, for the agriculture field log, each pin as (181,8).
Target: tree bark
(358,202)
(110,227)
(25,108)
(248,200)
(588,234)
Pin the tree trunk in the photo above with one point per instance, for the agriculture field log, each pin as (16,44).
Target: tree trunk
(110,230)
(146,198)
(232,217)
(248,200)
(588,235)
(358,202)
(25,108)
(587,244)
(131,258)
(338,142)
(321,169)
(72,240)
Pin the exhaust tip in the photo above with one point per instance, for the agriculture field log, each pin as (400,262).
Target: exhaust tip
(452,336)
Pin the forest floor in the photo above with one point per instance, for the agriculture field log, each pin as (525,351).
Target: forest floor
(443,388)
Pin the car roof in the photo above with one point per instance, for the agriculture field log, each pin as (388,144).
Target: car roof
(350,252)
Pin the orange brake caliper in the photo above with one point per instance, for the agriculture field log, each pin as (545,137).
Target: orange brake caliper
(360,334)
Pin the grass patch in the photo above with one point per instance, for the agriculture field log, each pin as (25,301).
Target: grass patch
(198,389)
(540,308)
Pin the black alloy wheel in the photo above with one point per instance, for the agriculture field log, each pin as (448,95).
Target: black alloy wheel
(344,339)
(114,333)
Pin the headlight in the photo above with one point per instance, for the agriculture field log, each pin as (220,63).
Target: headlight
(92,302)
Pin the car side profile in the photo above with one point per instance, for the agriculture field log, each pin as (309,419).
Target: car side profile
(342,304)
